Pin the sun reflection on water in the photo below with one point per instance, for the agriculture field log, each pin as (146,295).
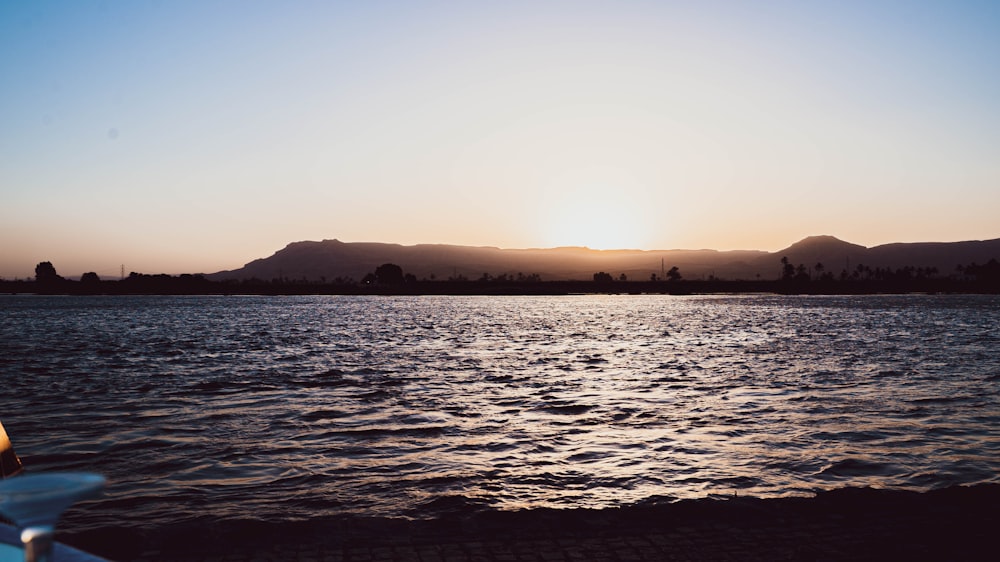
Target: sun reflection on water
(415,406)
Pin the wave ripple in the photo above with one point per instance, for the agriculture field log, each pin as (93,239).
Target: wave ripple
(291,408)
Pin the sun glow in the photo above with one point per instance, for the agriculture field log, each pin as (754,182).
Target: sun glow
(601,208)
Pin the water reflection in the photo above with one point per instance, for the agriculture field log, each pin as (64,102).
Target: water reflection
(301,407)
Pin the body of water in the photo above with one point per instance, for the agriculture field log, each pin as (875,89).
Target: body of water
(292,408)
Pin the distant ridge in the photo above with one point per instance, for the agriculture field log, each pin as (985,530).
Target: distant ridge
(835,255)
(329,260)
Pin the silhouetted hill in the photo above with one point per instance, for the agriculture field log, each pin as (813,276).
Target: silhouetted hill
(825,246)
(833,253)
(837,255)
(944,256)
(332,259)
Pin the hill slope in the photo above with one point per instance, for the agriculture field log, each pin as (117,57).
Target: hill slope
(332,259)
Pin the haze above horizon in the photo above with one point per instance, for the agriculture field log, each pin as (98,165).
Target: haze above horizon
(197,136)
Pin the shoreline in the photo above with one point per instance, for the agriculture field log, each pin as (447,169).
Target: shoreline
(957,523)
(189,285)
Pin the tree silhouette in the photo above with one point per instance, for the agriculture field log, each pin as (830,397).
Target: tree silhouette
(801,273)
(988,272)
(603,277)
(45,272)
(787,269)
(674,274)
(389,273)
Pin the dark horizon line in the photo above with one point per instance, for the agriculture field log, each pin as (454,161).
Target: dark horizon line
(975,280)
(819,237)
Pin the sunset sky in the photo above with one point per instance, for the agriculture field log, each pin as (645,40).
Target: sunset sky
(176,136)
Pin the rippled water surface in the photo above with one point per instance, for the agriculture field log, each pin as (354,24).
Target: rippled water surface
(288,408)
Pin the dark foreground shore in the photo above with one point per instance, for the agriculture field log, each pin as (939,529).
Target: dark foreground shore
(959,523)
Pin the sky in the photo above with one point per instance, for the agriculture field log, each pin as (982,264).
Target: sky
(195,136)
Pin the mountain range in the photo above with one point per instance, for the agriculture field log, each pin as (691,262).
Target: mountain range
(329,260)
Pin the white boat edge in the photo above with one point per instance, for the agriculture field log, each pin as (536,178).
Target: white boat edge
(10,537)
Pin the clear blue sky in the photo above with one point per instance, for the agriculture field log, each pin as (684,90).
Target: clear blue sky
(180,136)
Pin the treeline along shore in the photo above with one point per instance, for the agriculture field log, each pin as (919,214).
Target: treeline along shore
(391,279)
